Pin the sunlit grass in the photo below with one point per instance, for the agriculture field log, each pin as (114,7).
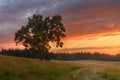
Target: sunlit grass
(32,69)
(12,68)
(96,70)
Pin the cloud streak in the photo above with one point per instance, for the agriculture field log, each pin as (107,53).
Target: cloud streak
(82,18)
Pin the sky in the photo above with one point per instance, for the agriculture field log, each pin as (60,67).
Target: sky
(91,25)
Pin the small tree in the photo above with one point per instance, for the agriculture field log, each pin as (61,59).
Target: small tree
(39,32)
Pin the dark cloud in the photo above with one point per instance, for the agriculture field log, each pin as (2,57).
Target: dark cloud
(81,17)
(95,19)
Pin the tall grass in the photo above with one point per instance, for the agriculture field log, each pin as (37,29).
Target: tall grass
(12,68)
(32,69)
(96,70)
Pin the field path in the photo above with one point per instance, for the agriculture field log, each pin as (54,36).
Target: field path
(95,70)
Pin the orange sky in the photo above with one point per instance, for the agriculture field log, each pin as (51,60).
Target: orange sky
(91,25)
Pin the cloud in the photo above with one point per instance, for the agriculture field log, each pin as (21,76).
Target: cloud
(113,50)
(93,20)
(82,18)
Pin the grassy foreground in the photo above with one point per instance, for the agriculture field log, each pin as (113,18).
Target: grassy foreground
(95,70)
(12,68)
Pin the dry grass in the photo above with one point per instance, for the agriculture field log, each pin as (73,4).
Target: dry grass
(12,68)
(95,70)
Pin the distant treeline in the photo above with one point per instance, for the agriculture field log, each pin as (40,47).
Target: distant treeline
(60,56)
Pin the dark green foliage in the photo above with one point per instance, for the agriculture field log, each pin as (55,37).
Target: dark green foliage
(40,31)
(60,56)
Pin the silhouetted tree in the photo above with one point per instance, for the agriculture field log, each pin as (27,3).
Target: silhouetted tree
(39,32)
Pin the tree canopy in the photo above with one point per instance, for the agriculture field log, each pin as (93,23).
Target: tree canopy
(40,31)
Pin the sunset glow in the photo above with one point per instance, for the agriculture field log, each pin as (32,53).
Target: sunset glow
(91,25)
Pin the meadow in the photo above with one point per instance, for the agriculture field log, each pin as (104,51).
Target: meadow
(14,68)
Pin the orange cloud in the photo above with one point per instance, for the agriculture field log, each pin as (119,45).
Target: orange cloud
(93,21)
(88,23)
(113,50)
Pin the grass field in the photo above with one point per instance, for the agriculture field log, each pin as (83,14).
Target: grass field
(12,68)
(95,70)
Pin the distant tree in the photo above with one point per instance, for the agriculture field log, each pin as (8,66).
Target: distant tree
(39,32)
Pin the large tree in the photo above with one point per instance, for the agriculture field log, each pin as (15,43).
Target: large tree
(40,31)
